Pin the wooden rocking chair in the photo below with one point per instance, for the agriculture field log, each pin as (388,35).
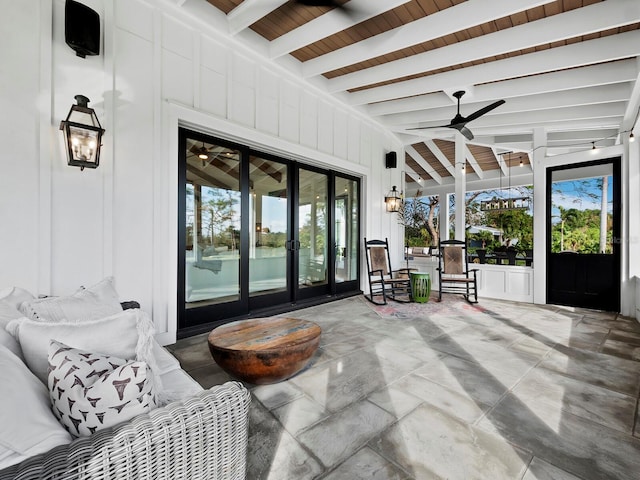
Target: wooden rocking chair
(383,281)
(454,273)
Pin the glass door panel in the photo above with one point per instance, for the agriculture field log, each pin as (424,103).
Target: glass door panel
(268,226)
(212,253)
(583,266)
(312,228)
(346,230)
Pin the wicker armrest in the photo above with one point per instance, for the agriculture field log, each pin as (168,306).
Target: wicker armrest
(203,437)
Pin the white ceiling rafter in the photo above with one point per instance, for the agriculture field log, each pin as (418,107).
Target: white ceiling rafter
(249,12)
(413,153)
(559,125)
(441,157)
(412,173)
(331,22)
(439,24)
(571,98)
(471,160)
(599,50)
(575,23)
(557,81)
(552,100)
(500,160)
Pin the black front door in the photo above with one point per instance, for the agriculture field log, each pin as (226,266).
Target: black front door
(583,225)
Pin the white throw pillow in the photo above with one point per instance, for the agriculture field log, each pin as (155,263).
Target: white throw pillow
(14,296)
(97,301)
(89,391)
(127,335)
(28,426)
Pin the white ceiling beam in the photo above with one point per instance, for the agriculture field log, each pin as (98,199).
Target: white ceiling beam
(331,22)
(575,23)
(439,24)
(633,106)
(441,157)
(589,76)
(500,160)
(558,125)
(413,153)
(473,162)
(581,135)
(583,96)
(249,12)
(614,47)
(412,173)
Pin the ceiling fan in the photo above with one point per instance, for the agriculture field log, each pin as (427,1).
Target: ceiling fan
(459,122)
(342,6)
(205,154)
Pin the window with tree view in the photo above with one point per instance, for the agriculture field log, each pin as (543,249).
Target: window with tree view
(582,210)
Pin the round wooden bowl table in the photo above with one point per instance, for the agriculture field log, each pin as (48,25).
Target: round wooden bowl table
(264,350)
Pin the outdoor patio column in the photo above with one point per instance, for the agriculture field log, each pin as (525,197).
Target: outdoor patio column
(461,187)
(539,215)
(443,218)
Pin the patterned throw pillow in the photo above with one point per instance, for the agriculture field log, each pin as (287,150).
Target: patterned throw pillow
(90,391)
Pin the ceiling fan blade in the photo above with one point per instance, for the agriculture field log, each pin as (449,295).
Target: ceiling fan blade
(319,3)
(482,111)
(466,132)
(427,128)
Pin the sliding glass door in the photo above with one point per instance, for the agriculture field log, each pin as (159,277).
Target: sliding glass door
(312,239)
(258,231)
(269,232)
(347,234)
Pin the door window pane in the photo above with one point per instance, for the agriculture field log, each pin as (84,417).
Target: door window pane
(346,228)
(582,210)
(212,258)
(268,207)
(312,230)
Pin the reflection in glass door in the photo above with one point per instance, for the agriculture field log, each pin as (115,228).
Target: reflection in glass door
(268,227)
(312,229)
(346,232)
(212,234)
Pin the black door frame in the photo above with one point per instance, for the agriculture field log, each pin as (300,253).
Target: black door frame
(612,300)
(194,319)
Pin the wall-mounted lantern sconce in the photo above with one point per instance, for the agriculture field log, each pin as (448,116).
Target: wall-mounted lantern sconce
(82,135)
(393,200)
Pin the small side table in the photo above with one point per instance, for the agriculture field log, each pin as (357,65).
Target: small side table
(264,350)
(420,286)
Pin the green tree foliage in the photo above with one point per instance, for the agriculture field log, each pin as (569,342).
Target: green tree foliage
(419,217)
(579,231)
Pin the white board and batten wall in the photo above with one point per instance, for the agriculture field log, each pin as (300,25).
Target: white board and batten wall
(161,65)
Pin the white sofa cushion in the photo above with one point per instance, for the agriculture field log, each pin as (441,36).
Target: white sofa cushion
(127,335)
(177,385)
(165,362)
(28,427)
(90,391)
(98,301)
(9,312)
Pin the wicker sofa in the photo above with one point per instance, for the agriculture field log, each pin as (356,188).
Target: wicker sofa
(203,435)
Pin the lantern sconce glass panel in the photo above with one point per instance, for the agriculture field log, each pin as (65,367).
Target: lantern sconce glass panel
(393,200)
(82,135)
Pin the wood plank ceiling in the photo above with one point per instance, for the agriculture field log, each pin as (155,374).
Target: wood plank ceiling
(569,67)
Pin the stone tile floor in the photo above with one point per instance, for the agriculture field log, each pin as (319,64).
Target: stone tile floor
(517,391)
